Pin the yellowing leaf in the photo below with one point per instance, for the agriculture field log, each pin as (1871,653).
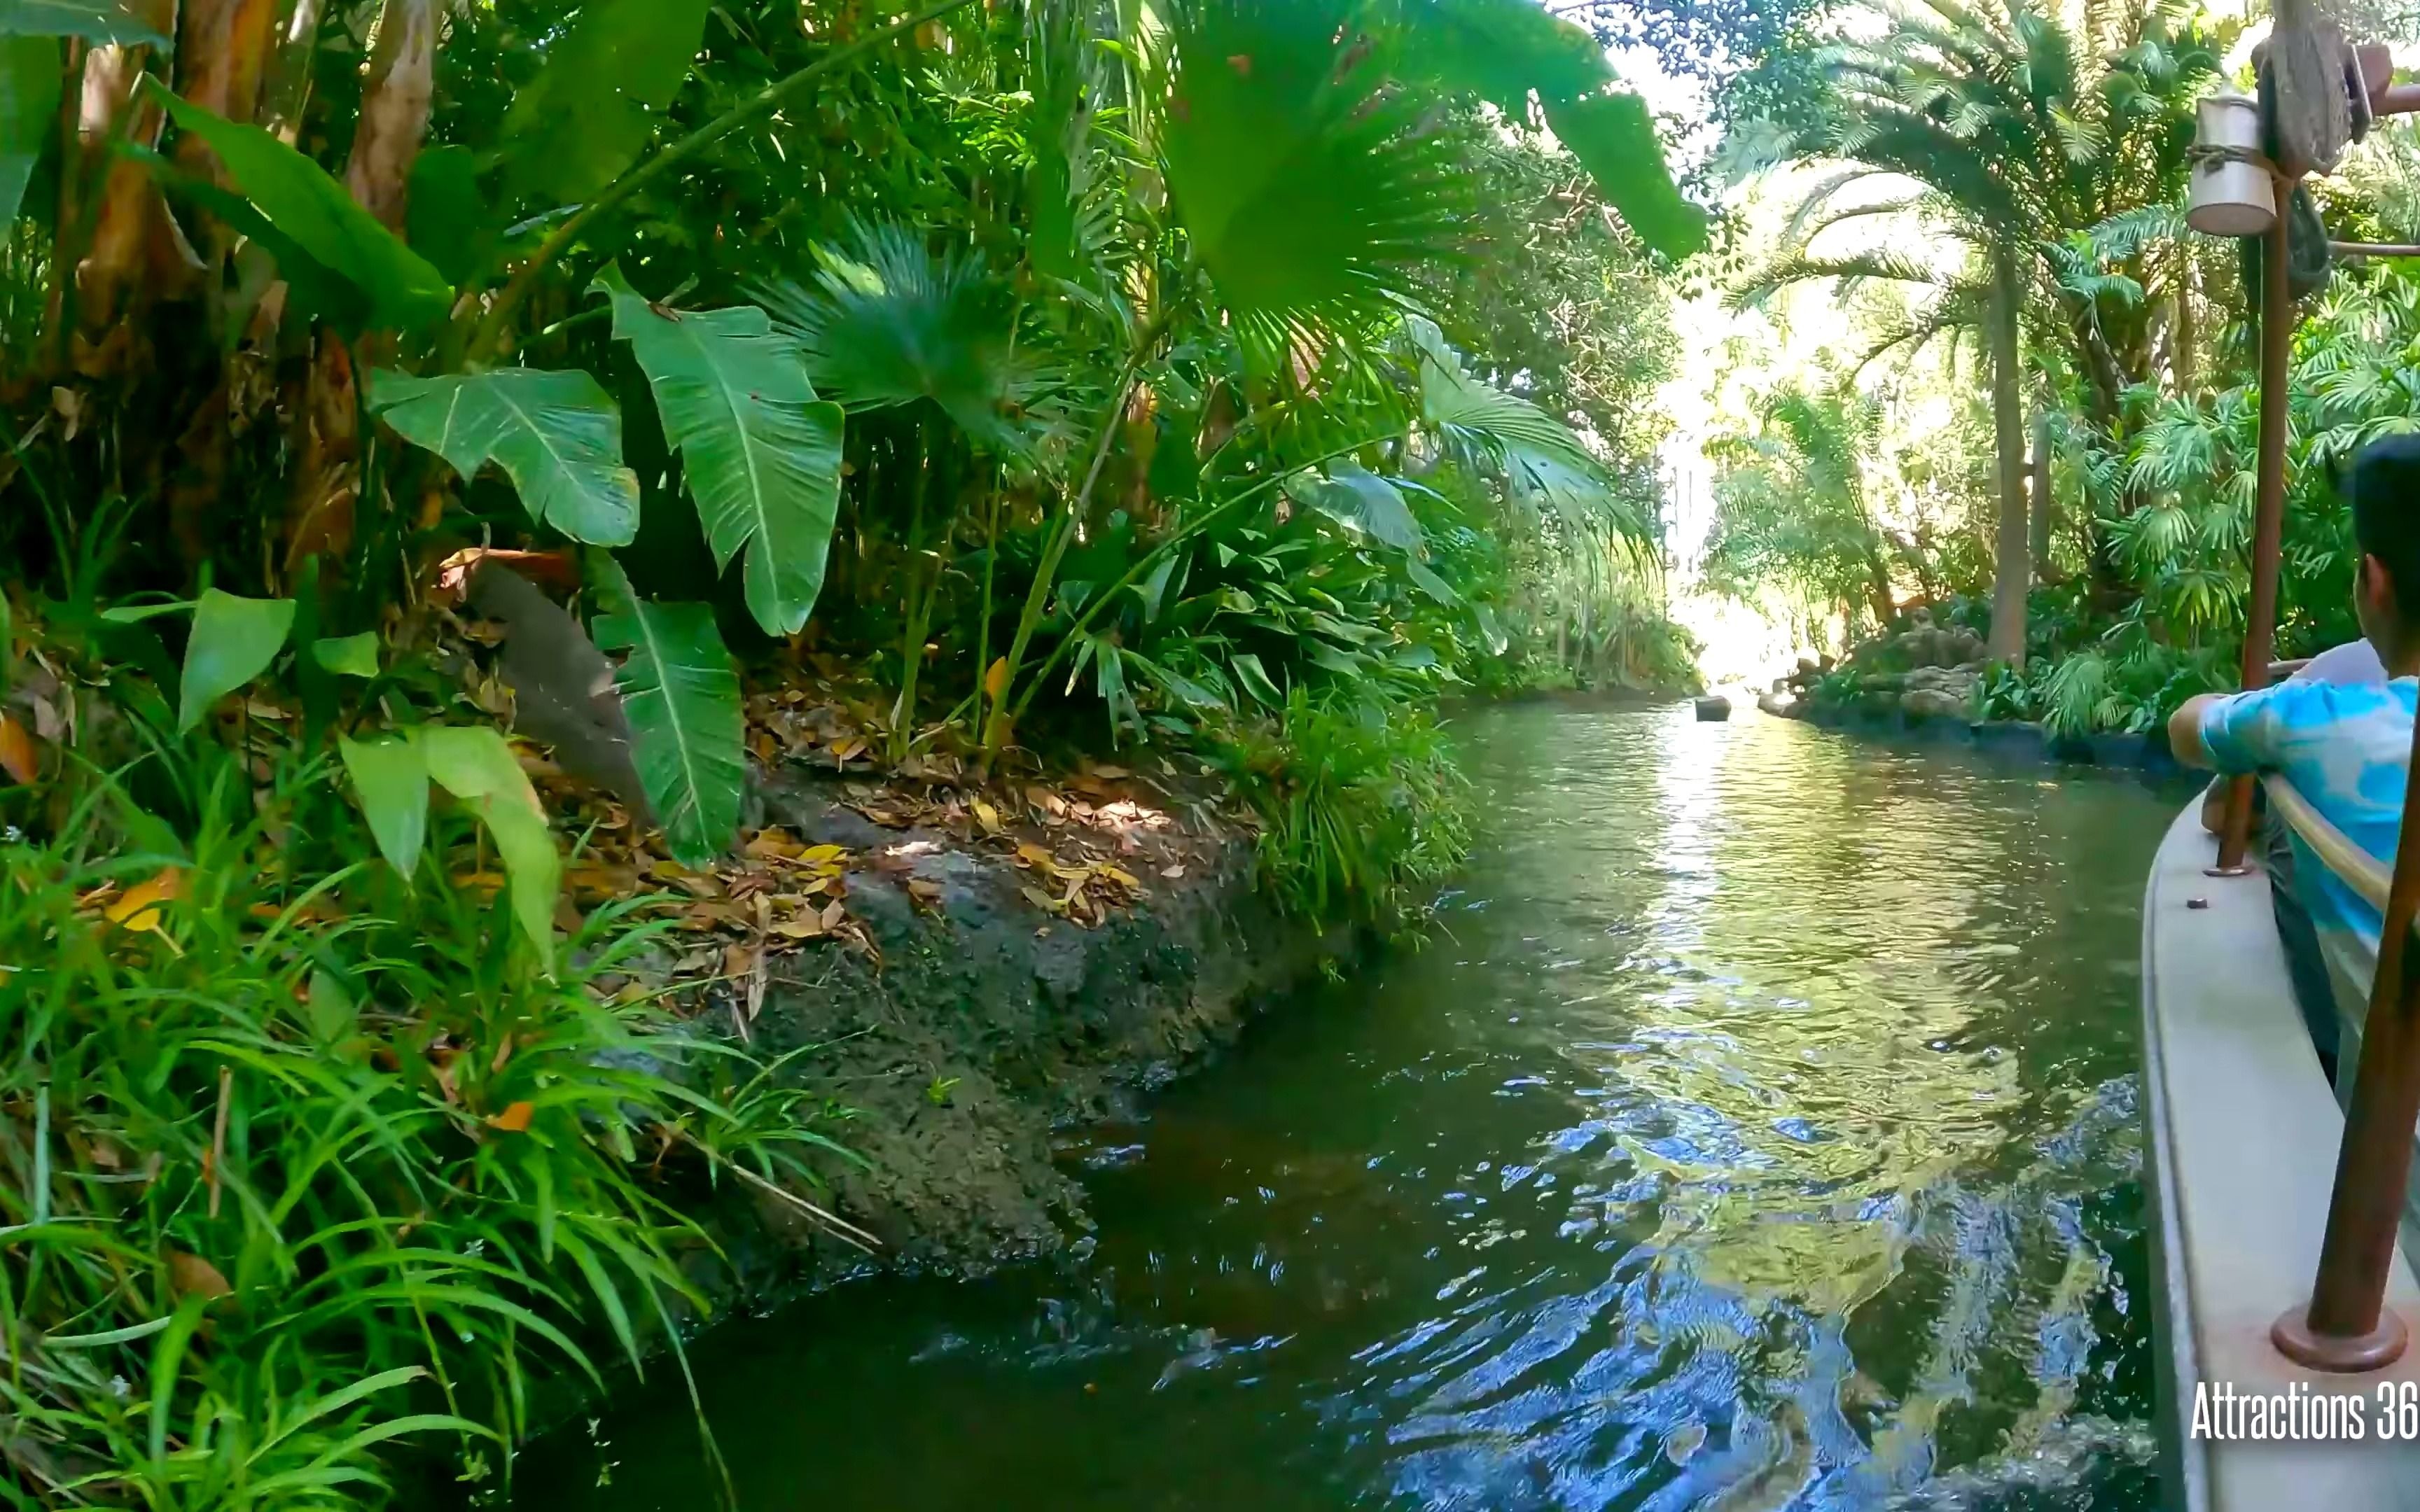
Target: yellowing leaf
(1035,856)
(138,908)
(17,751)
(995,679)
(987,816)
(514,1120)
(821,855)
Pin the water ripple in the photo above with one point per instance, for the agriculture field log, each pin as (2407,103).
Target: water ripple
(1763,1136)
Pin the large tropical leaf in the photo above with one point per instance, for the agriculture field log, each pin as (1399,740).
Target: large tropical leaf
(1306,184)
(1615,141)
(314,213)
(234,641)
(888,323)
(391,778)
(474,764)
(591,109)
(30,108)
(557,434)
(761,451)
(95,21)
(682,694)
(1502,50)
(1363,502)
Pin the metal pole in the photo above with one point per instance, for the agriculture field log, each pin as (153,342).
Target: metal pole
(2261,619)
(2348,1326)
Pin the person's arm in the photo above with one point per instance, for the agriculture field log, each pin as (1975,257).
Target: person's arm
(2240,733)
(2184,730)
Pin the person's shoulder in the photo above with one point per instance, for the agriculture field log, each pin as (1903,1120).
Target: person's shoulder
(2354,662)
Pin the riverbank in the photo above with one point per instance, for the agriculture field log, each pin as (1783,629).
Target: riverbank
(975,1016)
(2017,739)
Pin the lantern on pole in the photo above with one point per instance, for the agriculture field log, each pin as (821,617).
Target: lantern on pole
(2234,193)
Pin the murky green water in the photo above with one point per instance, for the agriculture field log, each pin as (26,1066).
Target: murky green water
(1759,1133)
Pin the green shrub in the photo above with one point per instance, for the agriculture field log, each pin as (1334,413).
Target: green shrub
(302,1163)
(1361,805)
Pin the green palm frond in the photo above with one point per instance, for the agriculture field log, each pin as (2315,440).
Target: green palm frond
(1073,205)
(1799,268)
(889,323)
(1541,459)
(1958,308)
(1308,185)
(1820,197)
(2121,236)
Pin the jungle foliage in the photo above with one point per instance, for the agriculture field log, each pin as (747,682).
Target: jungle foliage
(2051,145)
(1232,376)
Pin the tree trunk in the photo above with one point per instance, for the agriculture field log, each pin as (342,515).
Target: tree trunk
(2011,568)
(394,110)
(1878,588)
(2187,335)
(2040,504)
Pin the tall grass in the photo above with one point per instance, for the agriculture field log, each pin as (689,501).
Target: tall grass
(302,1162)
(1361,805)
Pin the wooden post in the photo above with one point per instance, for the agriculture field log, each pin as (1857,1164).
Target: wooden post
(2260,618)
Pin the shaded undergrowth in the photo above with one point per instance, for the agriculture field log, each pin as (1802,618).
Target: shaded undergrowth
(302,1163)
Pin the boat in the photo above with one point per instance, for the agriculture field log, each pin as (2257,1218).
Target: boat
(2282,1217)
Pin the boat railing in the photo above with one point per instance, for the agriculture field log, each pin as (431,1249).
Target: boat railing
(2369,878)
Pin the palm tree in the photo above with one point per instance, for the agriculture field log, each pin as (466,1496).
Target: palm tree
(2020,129)
(1791,504)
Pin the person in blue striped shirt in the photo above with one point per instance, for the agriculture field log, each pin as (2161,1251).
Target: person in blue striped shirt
(2344,746)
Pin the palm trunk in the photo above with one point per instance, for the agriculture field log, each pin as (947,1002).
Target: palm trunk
(2041,502)
(395,109)
(2012,567)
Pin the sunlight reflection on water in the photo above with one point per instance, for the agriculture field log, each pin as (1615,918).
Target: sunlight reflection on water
(1757,1131)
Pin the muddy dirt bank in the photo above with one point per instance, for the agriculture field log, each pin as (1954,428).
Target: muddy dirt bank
(984,1019)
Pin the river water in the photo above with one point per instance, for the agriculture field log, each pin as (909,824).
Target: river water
(1756,1131)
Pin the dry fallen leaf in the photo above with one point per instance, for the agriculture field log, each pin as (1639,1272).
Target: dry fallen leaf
(189,1276)
(514,1120)
(924,890)
(773,845)
(17,755)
